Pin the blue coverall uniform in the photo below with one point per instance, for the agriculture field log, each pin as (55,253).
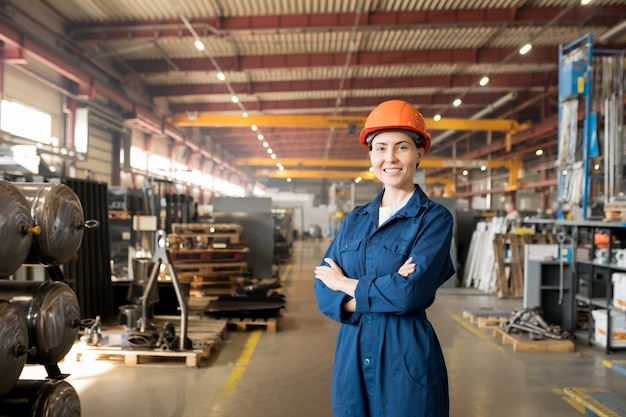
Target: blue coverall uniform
(388,360)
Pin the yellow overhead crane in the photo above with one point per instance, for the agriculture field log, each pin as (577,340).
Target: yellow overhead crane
(318,121)
(317,168)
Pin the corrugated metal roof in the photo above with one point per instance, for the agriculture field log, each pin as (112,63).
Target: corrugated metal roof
(311,56)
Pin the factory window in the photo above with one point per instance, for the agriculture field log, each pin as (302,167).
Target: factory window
(138,158)
(160,165)
(25,122)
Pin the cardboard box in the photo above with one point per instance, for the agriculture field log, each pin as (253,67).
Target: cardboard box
(618,327)
(619,290)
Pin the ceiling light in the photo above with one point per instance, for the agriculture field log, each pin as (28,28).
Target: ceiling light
(281,168)
(539,152)
(260,137)
(235,99)
(254,128)
(596,167)
(465,172)
(483,167)
(437,117)
(288,179)
(524,49)
(457,102)
(245,114)
(371,169)
(357,180)
(585,2)
(199,45)
(221,76)
(269,151)
(273,156)
(265,144)
(484,81)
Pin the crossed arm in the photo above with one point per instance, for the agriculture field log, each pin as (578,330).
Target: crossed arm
(334,278)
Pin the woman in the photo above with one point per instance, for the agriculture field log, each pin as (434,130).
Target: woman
(378,276)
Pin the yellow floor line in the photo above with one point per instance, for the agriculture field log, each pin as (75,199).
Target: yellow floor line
(283,278)
(478,332)
(240,367)
(235,376)
(575,404)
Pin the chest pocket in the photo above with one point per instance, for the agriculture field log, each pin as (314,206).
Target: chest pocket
(351,258)
(394,254)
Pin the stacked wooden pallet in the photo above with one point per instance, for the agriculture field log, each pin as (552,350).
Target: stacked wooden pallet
(210,256)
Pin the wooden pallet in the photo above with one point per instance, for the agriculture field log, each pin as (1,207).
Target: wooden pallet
(209,255)
(205,334)
(205,235)
(212,286)
(242,325)
(154,357)
(598,402)
(207,228)
(209,269)
(521,344)
(487,316)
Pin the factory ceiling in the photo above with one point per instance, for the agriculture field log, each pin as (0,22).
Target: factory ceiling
(307,72)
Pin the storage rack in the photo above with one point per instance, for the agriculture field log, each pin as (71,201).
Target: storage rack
(591,85)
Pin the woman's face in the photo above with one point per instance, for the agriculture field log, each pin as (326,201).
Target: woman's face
(394,158)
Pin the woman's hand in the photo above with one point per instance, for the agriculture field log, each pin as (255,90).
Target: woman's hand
(334,278)
(408,267)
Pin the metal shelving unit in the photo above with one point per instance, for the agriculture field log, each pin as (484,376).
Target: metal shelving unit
(583,232)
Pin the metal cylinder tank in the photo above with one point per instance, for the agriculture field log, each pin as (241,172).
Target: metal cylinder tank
(41,398)
(13,345)
(16,228)
(56,209)
(52,314)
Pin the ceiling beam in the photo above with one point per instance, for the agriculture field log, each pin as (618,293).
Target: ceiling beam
(233,26)
(436,81)
(300,104)
(540,54)
(272,120)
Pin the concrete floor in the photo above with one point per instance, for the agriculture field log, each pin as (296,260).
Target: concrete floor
(287,373)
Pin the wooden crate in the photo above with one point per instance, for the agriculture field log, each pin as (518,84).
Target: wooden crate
(521,344)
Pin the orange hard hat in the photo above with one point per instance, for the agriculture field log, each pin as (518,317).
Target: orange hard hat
(395,115)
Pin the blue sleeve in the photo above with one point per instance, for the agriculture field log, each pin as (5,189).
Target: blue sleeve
(329,301)
(393,293)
